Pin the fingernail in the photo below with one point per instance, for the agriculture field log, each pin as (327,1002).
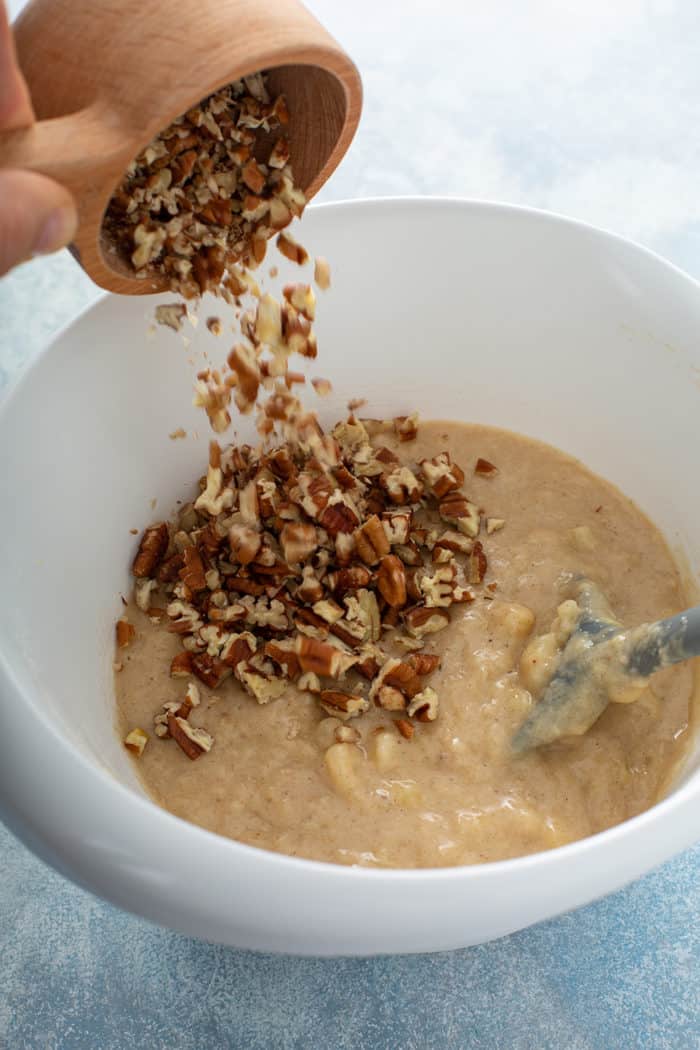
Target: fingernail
(57,231)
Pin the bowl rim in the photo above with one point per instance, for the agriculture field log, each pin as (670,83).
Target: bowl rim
(228,850)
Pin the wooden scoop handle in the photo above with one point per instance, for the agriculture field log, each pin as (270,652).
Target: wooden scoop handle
(69,149)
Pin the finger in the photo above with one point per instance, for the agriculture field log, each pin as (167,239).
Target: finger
(15,106)
(37,216)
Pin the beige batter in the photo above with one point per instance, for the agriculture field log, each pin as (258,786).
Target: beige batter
(453,794)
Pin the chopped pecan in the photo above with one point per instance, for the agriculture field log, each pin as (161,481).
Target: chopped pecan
(185,618)
(494,525)
(194,742)
(210,669)
(298,542)
(402,675)
(402,486)
(328,610)
(281,463)
(390,698)
(344,548)
(343,705)
(386,457)
(484,468)
(441,555)
(323,387)
(191,696)
(351,579)
(276,570)
(441,474)
(262,687)
(462,595)
(279,155)
(375,501)
(320,657)
(209,539)
(350,633)
(409,553)
(248,504)
(413,590)
(391,581)
(371,541)
(171,314)
(406,427)
(421,621)
(264,612)
(152,547)
(405,728)
(142,593)
(453,541)
(215,497)
(368,667)
(437,589)
(169,569)
(284,655)
(397,526)
(378,681)
(237,649)
(312,493)
(268,496)
(457,510)
(363,608)
(477,564)
(302,298)
(309,682)
(291,250)
(253,177)
(245,543)
(339,515)
(310,589)
(345,478)
(244,365)
(305,618)
(170,708)
(136,741)
(351,436)
(192,571)
(424,706)
(244,585)
(181,665)
(126,632)
(423,663)
(322,273)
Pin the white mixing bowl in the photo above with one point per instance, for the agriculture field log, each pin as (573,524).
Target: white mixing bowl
(462,310)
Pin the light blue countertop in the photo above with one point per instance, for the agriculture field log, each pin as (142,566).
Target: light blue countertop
(588,109)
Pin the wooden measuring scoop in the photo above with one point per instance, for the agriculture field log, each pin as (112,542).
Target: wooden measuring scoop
(106,77)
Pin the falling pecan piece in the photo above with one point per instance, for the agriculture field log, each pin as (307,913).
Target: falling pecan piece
(152,547)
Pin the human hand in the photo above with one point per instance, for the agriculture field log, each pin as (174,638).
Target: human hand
(37,215)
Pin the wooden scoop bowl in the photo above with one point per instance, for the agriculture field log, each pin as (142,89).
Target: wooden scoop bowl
(106,77)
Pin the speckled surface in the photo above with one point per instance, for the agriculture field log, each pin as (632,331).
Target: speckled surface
(590,109)
(622,974)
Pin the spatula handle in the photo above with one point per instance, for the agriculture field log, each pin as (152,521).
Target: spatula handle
(664,643)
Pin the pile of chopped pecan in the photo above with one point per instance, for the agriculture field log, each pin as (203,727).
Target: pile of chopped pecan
(331,574)
(208,191)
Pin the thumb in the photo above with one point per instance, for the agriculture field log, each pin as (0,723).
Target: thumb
(37,216)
